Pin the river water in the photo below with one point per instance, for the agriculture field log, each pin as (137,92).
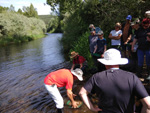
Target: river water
(23,68)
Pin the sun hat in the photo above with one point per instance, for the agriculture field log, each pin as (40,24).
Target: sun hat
(147,14)
(100,33)
(118,25)
(113,57)
(129,17)
(78,73)
(73,54)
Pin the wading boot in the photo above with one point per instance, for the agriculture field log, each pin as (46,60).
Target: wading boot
(148,70)
(60,110)
(139,71)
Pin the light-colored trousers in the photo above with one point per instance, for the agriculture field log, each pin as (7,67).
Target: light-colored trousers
(55,95)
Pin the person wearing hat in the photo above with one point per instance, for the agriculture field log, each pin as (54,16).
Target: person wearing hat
(91,27)
(115,36)
(78,61)
(115,88)
(143,46)
(126,36)
(62,78)
(100,49)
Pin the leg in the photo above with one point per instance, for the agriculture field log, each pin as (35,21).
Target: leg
(55,95)
(140,55)
(148,63)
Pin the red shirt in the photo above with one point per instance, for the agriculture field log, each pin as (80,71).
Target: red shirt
(78,60)
(61,78)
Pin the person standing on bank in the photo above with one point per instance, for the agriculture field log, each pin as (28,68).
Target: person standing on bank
(116,89)
(100,49)
(62,78)
(126,36)
(115,36)
(143,46)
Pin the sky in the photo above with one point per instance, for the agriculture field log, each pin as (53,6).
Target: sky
(40,5)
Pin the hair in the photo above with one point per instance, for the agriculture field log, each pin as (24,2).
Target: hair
(146,21)
(118,24)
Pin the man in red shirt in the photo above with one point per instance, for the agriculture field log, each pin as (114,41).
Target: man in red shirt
(62,78)
(78,61)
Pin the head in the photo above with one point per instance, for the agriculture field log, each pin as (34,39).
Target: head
(112,58)
(100,34)
(73,54)
(117,26)
(129,18)
(91,26)
(145,23)
(78,73)
(135,24)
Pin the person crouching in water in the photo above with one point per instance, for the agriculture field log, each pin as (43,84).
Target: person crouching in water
(78,61)
(62,78)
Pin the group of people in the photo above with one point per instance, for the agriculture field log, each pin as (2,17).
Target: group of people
(115,88)
(132,39)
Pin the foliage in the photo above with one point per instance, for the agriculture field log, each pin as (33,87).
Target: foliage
(82,47)
(14,26)
(101,13)
(30,11)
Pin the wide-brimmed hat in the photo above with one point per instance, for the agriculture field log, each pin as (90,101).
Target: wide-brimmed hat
(113,57)
(73,54)
(129,17)
(78,73)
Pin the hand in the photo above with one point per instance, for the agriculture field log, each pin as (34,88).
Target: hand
(96,109)
(125,43)
(102,55)
(148,39)
(75,104)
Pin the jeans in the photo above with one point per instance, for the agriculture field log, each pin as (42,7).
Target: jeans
(140,54)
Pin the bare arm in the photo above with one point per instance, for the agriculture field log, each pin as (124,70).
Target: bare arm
(95,49)
(133,43)
(128,39)
(114,37)
(72,66)
(146,105)
(81,65)
(105,47)
(86,100)
(71,95)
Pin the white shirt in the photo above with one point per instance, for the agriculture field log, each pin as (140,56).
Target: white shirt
(116,33)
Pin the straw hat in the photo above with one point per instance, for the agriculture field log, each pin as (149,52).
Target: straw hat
(73,54)
(78,73)
(113,57)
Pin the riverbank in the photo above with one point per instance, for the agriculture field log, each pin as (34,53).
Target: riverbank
(9,40)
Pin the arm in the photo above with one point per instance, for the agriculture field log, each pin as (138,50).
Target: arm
(71,95)
(105,47)
(114,37)
(81,65)
(133,43)
(146,105)
(86,100)
(95,49)
(72,66)
(128,39)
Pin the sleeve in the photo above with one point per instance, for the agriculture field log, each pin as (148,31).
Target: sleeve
(81,59)
(89,85)
(105,42)
(139,89)
(120,32)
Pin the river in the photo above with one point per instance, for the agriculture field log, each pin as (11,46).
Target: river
(23,68)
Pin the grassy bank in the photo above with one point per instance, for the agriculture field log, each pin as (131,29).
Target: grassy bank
(7,40)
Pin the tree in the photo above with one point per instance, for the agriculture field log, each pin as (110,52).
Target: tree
(12,8)
(20,11)
(30,11)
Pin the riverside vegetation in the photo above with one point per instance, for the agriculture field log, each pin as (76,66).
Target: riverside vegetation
(76,15)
